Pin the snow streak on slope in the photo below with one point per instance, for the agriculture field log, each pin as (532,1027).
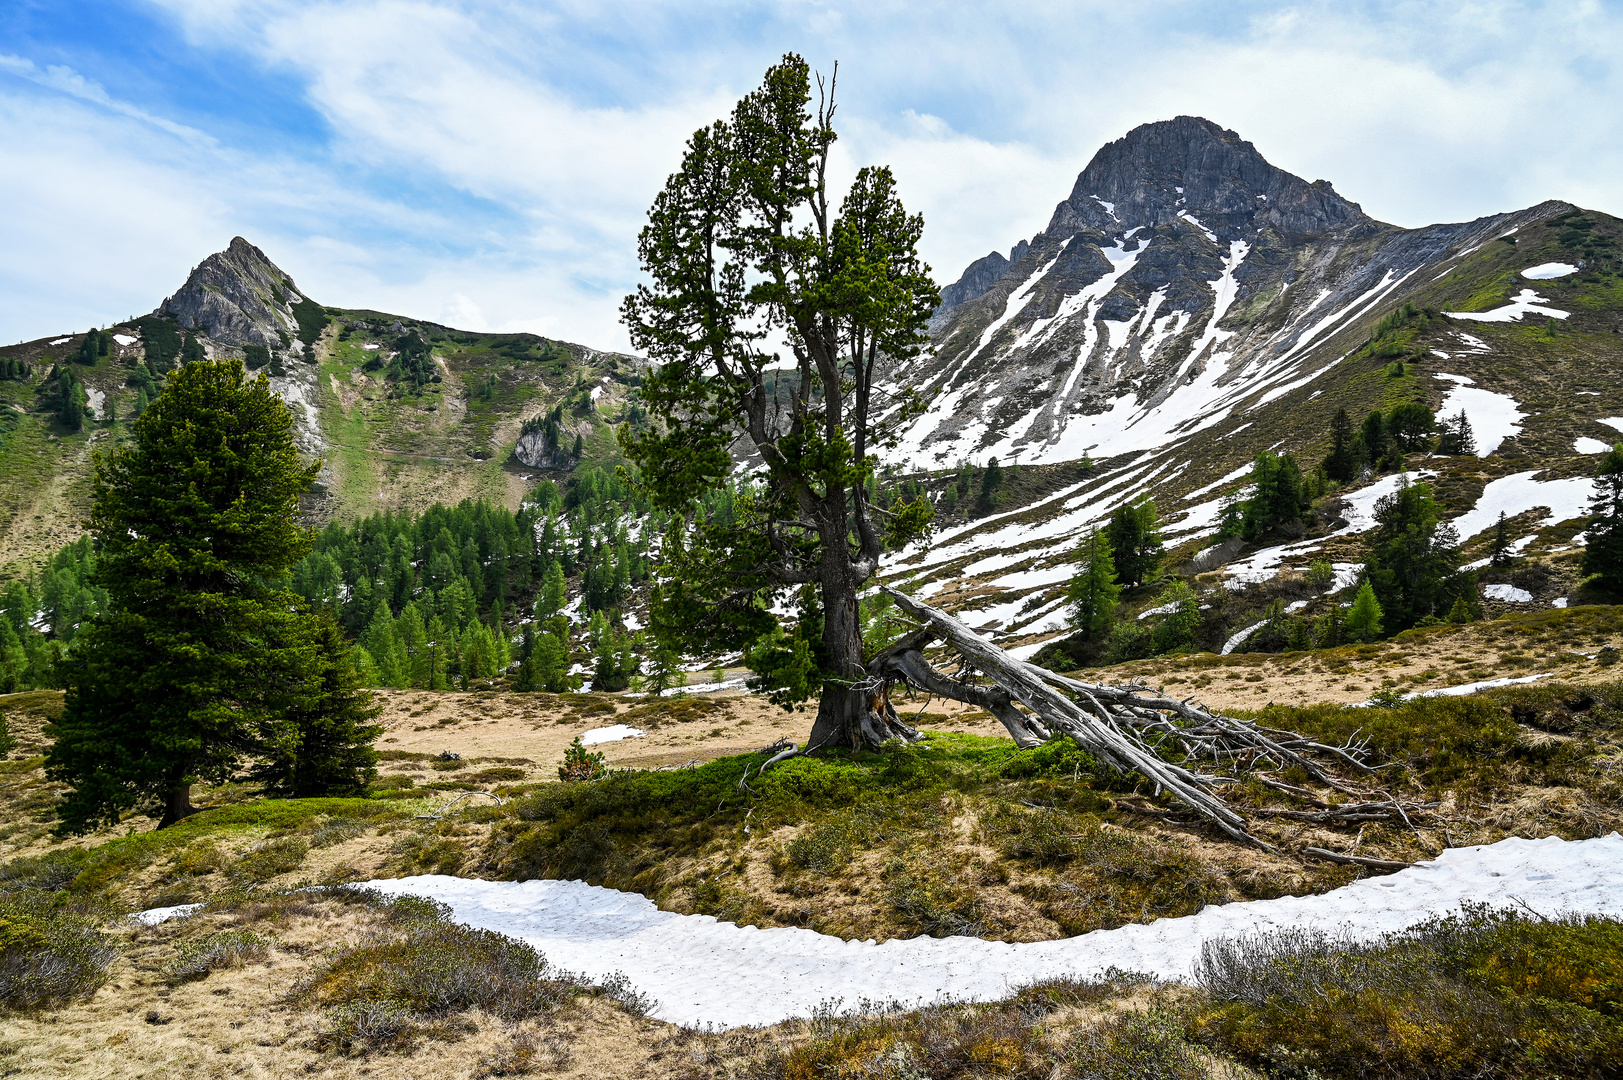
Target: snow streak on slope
(700,971)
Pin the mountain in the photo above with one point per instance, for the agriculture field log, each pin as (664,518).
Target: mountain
(1189,305)
(402,412)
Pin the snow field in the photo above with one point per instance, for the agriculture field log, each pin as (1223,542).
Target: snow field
(1507,592)
(613,733)
(1526,302)
(1494,417)
(1518,493)
(1585,445)
(702,971)
(1546,271)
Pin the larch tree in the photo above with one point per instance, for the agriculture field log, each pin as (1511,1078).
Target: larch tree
(769,313)
(1093,592)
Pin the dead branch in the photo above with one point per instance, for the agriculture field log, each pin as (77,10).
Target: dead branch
(1354,860)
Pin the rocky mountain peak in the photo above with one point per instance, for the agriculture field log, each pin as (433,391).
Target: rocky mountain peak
(237,297)
(1190,167)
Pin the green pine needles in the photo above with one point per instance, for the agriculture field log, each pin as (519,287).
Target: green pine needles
(768,311)
(200,661)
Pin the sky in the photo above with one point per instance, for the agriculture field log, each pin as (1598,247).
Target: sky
(488,165)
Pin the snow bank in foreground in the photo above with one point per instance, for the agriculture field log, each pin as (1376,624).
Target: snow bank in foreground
(1494,417)
(706,972)
(1525,302)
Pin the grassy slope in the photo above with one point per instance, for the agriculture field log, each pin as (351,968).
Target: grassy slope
(384,450)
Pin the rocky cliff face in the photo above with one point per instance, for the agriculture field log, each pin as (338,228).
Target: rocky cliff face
(237,297)
(1184,281)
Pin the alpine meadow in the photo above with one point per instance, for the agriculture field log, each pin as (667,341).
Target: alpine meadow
(1179,647)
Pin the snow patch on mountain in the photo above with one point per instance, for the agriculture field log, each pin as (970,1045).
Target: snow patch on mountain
(1494,417)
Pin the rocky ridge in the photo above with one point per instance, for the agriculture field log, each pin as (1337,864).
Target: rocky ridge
(1184,281)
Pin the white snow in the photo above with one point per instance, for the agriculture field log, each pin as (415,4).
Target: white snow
(371,346)
(1585,445)
(1507,592)
(1518,493)
(61,341)
(1613,421)
(1221,480)
(154,916)
(1110,207)
(1546,271)
(1494,417)
(1525,302)
(1238,639)
(613,733)
(1476,343)
(1589,393)
(704,972)
(1486,684)
(1187,216)
(125,340)
(1559,601)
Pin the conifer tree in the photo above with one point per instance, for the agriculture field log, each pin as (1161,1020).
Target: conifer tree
(1413,559)
(744,237)
(1603,555)
(1093,592)
(1363,622)
(991,483)
(1499,553)
(182,679)
(1135,542)
(324,743)
(1341,463)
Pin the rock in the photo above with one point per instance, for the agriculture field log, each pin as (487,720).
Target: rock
(236,297)
(534,450)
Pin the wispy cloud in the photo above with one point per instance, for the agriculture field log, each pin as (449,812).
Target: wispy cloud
(490,163)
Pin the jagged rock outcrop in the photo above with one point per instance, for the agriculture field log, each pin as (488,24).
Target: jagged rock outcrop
(237,297)
(538,452)
(1184,279)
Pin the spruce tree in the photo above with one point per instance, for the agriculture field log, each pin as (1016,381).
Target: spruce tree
(1341,464)
(1499,553)
(1603,555)
(324,743)
(192,351)
(1093,592)
(1135,542)
(184,676)
(991,483)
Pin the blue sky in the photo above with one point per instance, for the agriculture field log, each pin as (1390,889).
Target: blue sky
(488,165)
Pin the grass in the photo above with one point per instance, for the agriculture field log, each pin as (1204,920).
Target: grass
(49,954)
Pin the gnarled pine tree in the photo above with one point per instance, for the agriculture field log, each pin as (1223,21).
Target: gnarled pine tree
(769,314)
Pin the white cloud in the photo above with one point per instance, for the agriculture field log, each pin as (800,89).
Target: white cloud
(493,162)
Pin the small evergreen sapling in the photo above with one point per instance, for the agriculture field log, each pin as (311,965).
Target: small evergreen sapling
(581,765)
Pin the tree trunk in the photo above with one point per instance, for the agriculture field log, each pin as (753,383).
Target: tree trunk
(177,805)
(850,714)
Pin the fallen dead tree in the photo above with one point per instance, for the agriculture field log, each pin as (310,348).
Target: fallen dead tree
(1173,743)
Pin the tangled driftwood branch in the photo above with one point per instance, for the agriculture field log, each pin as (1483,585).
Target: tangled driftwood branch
(1132,728)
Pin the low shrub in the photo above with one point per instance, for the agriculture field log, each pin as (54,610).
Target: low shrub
(48,956)
(1480,994)
(336,831)
(271,858)
(422,971)
(226,949)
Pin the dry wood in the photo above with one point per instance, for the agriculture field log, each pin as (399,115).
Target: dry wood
(1354,860)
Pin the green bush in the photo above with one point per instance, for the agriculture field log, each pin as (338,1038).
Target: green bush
(271,858)
(227,949)
(1480,994)
(48,956)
